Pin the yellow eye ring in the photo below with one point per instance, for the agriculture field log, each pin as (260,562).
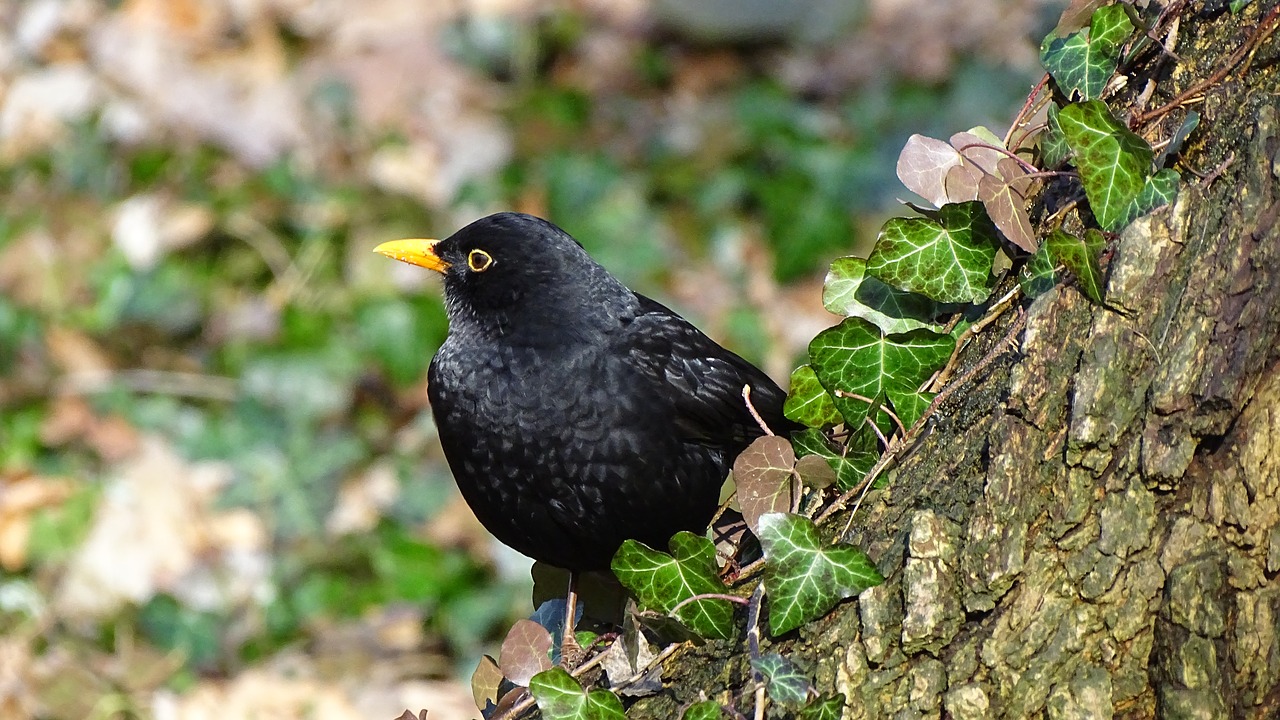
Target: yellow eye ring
(479,260)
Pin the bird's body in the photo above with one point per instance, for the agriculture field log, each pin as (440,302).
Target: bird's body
(575,413)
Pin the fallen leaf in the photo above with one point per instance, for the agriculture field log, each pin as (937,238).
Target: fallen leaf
(147,532)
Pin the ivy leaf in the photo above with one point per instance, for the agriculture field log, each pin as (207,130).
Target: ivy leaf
(705,710)
(1174,146)
(850,292)
(850,462)
(855,357)
(1082,62)
(909,406)
(947,259)
(784,682)
(804,580)
(824,708)
(815,472)
(1238,5)
(762,474)
(663,581)
(526,651)
(560,697)
(1159,190)
(1076,15)
(1054,149)
(1040,274)
(1080,256)
(485,682)
(1006,204)
(923,165)
(809,403)
(1112,160)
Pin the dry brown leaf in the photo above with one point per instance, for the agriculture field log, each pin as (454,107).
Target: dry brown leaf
(261,693)
(20,499)
(147,532)
(363,499)
(74,352)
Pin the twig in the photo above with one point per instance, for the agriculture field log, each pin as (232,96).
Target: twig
(708,596)
(1265,28)
(1014,156)
(1026,107)
(997,309)
(1014,328)
(746,398)
(884,441)
(159,382)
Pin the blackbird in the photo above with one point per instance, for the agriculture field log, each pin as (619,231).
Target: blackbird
(574,412)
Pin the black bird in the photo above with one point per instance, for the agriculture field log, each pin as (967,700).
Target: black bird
(575,413)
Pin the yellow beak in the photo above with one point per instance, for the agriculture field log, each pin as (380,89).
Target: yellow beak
(415,251)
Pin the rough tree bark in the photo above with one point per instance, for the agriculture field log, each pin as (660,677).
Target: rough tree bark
(1092,529)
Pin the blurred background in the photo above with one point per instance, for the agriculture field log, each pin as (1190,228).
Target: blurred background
(220,490)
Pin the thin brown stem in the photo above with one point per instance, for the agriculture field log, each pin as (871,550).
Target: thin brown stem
(746,398)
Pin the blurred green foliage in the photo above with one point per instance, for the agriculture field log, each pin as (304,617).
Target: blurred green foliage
(327,382)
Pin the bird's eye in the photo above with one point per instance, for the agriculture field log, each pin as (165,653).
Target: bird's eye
(479,260)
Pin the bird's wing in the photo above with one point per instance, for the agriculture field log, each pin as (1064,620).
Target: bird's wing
(702,380)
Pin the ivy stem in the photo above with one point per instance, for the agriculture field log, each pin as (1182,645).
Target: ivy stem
(753,628)
(708,596)
(1003,151)
(1026,107)
(746,398)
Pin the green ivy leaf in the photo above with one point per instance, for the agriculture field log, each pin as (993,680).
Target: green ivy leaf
(1082,62)
(809,403)
(1113,161)
(947,259)
(560,697)
(1159,190)
(784,682)
(804,580)
(824,708)
(1054,149)
(1174,146)
(850,292)
(705,710)
(1080,256)
(663,581)
(851,462)
(909,406)
(1238,5)
(1039,275)
(855,357)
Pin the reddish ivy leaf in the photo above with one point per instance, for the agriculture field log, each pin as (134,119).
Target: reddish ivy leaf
(1077,15)
(981,154)
(923,166)
(525,652)
(1007,207)
(763,476)
(815,471)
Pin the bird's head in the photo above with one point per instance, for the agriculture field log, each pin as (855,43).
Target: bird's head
(514,271)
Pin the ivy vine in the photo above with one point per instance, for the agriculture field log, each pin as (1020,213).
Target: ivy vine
(876,378)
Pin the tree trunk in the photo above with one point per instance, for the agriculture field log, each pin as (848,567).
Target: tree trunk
(1092,529)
